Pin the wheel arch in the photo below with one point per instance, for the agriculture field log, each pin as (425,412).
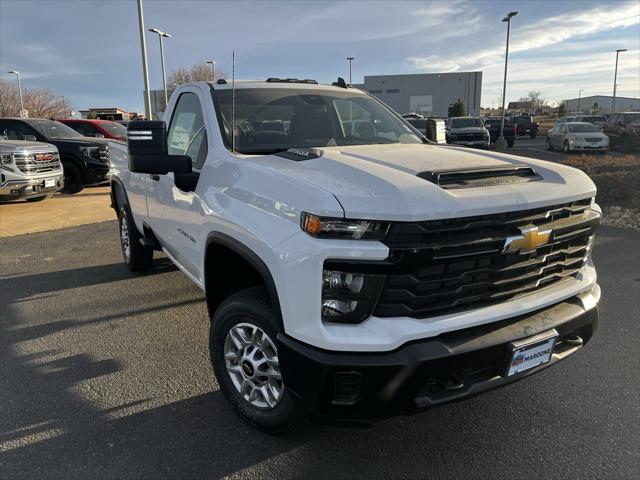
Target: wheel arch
(250,264)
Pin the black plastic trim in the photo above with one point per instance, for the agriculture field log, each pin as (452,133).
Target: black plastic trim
(254,260)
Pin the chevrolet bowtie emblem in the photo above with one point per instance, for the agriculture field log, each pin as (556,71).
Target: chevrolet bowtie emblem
(530,239)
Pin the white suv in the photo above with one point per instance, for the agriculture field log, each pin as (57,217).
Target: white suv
(355,273)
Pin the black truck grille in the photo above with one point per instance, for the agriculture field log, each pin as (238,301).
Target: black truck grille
(444,266)
(468,137)
(38,162)
(103,151)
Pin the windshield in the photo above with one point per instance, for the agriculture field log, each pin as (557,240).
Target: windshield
(53,129)
(274,119)
(583,128)
(115,129)
(466,122)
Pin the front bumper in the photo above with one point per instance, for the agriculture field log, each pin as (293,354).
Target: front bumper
(31,187)
(359,387)
(470,143)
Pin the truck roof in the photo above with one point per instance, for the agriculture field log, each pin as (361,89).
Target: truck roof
(284,83)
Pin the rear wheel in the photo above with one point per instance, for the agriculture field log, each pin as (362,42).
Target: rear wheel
(244,356)
(136,256)
(72,179)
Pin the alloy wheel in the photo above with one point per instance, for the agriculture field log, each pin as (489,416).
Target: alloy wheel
(251,360)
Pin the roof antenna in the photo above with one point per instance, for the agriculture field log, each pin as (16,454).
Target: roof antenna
(233,101)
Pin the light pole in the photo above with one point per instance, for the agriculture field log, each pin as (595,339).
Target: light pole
(351,59)
(17,73)
(579,98)
(213,69)
(145,68)
(501,143)
(162,35)
(615,79)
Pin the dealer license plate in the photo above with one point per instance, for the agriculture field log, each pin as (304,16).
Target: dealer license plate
(49,182)
(594,145)
(531,352)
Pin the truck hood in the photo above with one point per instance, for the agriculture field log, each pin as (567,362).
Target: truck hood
(13,146)
(381,181)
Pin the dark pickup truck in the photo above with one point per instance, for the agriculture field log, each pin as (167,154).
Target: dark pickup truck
(525,126)
(85,160)
(623,130)
(493,125)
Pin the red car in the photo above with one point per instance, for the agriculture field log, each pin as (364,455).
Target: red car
(97,128)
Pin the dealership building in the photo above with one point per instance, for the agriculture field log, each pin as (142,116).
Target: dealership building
(601,104)
(430,94)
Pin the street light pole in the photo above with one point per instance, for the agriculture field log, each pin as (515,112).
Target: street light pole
(615,79)
(501,143)
(162,35)
(213,69)
(145,68)
(17,74)
(579,98)
(351,59)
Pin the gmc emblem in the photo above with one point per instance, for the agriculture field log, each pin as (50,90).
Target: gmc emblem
(43,157)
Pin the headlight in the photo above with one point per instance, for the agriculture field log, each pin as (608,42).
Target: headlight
(91,152)
(349,297)
(328,227)
(6,162)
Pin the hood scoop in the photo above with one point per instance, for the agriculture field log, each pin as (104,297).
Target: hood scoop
(481,177)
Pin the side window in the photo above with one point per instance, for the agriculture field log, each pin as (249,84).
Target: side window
(187,135)
(86,129)
(16,130)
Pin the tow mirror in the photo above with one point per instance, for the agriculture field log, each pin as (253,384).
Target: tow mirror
(148,153)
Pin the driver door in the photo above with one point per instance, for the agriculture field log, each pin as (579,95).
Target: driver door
(174,213)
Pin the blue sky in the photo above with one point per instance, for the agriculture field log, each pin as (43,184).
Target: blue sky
(89,50)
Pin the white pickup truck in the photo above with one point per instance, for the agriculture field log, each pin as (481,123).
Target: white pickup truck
(352,269)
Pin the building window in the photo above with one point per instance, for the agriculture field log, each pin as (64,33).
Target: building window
(392,90)
(375,91)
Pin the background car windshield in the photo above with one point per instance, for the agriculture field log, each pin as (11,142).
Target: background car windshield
(583,128)
(115,129)
(466,122)
(275,119)
(53,129)
(631,118)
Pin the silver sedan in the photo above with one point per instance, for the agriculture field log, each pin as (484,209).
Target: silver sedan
(577,136)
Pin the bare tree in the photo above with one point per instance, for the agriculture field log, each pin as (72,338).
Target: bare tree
(200,72)
(39,102)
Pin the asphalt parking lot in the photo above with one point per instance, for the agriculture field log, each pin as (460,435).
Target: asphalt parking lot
(105,374)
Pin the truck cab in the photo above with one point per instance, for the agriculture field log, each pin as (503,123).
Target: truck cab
(352,269)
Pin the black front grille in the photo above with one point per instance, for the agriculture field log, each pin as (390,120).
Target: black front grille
(103,152)
(468,137)
(444,266)
(593,140)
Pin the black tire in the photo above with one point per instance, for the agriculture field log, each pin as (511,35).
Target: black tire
(533,135)
(136,256)
(250,307)
(72,179)
(565,147)
(38,199)
(549,146)
(511,142)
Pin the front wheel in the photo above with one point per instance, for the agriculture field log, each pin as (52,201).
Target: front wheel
(136,256)
(244,356)
(565,147)
(533,135)
(510,142)
(72,179)
(549,146)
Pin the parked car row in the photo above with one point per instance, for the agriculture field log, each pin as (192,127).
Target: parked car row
(41,156)
(621,129)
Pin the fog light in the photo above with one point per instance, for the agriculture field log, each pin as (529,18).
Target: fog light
(338,308)
(347,387)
